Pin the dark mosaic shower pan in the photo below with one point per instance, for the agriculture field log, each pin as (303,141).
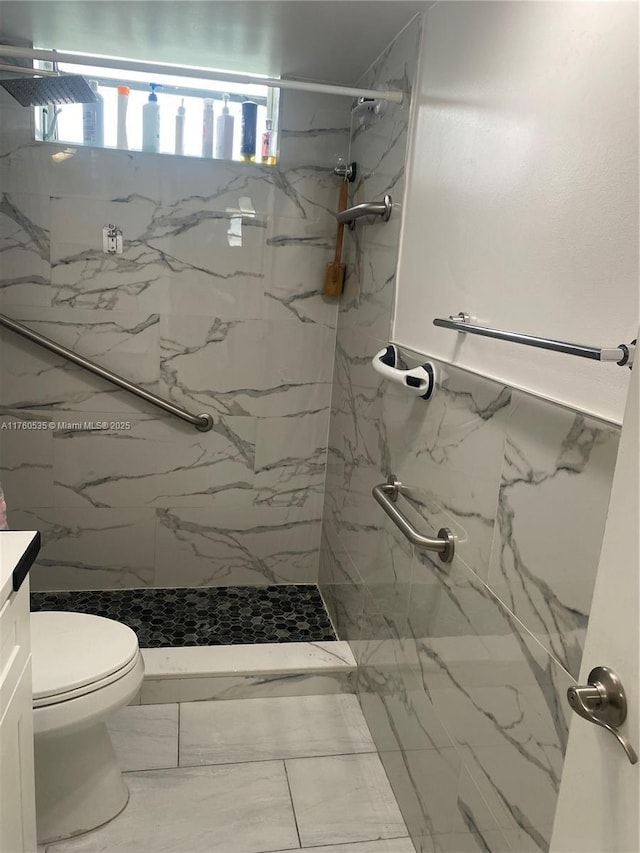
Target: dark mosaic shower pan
(211,616)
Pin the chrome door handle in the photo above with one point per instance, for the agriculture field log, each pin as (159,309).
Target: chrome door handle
(603,702)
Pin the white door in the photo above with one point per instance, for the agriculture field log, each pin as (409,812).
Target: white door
(598,804)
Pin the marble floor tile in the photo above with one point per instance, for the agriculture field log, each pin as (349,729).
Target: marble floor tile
(275,727)
(145,737)
(244,808)
(383,845)
(343,798)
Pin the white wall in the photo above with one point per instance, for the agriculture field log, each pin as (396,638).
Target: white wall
(522,201)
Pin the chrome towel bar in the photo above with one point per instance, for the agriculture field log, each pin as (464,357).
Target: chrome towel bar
(386,495)
(202,422)
(622,354)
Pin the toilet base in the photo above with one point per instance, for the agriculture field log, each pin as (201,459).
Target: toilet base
(79,785)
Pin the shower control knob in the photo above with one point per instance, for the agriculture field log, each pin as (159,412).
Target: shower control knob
(603,702)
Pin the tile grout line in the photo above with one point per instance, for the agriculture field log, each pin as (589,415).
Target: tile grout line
(293,808)
(273,758)
(178,735)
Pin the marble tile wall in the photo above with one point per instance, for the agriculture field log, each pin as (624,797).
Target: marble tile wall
(214,304)
(462,668)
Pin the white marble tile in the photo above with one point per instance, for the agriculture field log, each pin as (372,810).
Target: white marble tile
(26,461)
(299,252)
(243,546)
(290,459)
(214,364)
(154,461)
(341,587)
(312,130)
(88,548)
(557,479)
(145,737)
(126,343)
(486,841)
(24,249)
(260,659)
(257,729)
(425,783)
(343,798)
(163,690)
(506,712)
(247,671)
(243,808)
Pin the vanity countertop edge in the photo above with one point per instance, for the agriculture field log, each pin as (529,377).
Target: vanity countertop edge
(18,551)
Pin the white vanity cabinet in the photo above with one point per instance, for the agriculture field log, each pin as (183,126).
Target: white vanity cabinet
(17,792)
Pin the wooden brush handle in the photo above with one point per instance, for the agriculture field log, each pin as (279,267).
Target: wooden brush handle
(342,205)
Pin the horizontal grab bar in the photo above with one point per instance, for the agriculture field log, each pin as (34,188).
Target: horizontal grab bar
(202,422)
(367,208)
(386,495)
(622,354)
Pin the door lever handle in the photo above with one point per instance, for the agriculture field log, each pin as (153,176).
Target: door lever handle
(604,703)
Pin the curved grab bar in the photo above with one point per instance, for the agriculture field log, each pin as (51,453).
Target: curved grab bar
(367,208)
(386,494)
(418,380)
(203,422)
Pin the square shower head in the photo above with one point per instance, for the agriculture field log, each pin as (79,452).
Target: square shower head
(40,91)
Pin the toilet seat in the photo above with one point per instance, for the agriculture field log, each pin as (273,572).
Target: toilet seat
(75,654)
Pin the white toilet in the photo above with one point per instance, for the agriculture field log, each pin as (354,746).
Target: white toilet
(84,668)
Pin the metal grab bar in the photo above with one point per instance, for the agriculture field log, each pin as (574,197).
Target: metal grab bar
(202,422)
(386,495)
(622,354)
(367,208)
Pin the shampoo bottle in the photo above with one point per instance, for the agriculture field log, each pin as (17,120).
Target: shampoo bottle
(224,132)
(123,103)
(151,122)
(269,145)
(180,129)
(249,121)
(93,119)
(207,128)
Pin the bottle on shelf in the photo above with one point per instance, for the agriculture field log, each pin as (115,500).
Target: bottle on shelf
(123,103)
(151,122)
(207,128)
(248,140)
(179,149)
(224,132)
(268,150)
(93,119)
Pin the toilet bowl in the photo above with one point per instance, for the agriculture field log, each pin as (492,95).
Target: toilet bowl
(84,668)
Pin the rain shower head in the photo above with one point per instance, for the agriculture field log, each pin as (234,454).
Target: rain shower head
(40,91)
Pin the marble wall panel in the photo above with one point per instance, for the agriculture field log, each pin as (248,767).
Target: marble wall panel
(463,668)
(544,562)
(216,302)
(88,548)
(24,248)
(256,546)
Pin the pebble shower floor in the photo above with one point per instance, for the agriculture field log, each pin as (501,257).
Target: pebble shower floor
(204,616)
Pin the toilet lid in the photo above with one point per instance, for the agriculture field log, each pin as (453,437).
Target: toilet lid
(72,650)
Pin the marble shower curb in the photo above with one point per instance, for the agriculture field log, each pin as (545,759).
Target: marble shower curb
(246,671)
